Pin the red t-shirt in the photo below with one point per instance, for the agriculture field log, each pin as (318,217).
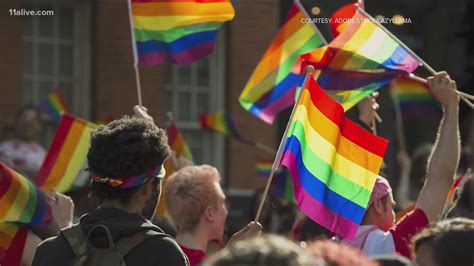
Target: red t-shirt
(195,256)
(408,226)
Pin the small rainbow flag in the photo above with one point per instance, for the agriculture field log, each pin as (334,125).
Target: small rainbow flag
(264,167)
(358,61)
(179,32)
(181,152)
(55,105)
(12,243)
(416,101)
(272,85)
(63,168)
(21,201)
(332,161)
(220,122)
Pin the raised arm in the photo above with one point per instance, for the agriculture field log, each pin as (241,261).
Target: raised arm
(444,157)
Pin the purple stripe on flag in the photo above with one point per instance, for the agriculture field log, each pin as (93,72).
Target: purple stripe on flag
(186,57)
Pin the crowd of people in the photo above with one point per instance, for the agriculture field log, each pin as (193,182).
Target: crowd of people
(126,159)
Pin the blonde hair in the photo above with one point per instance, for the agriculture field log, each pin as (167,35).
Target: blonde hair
(188,193)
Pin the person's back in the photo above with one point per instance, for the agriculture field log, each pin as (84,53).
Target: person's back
(123,226)
(126,166)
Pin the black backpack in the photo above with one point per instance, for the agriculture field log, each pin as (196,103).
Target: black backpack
(88,254)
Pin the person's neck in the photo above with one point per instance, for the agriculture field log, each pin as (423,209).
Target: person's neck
(193,240)
(118,205)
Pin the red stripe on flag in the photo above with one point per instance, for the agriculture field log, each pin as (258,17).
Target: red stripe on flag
(53,152)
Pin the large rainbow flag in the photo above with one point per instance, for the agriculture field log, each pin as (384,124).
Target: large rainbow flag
(220,122)
(358,61)
(333,162)
(181,152)
(176,31)
(339,19)
(272,85)
(415,99)
(65,163)
(55,105)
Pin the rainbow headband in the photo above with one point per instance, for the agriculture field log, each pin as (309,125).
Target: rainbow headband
(132,181)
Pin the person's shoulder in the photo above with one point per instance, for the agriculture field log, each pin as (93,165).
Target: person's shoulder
(53,251)
(170,253)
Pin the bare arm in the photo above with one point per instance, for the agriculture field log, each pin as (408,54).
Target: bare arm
(444,157)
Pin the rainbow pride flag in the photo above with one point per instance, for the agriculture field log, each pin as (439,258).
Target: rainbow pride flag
(63,168)
(55,105)
(358,61)
(21,201)
(220,122)
(181,152)
(416,101)
(176,31)
(272,85)
(332,161)
(264,167)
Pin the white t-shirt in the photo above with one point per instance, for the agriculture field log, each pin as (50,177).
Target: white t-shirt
(26,158)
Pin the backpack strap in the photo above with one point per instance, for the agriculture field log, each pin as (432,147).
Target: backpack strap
(127,244)
(76,239)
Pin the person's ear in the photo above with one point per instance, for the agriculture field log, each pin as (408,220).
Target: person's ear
(146,190)
(209,214)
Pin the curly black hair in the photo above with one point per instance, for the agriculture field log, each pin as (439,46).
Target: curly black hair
(125,147)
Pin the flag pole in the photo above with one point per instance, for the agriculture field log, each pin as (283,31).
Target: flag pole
(134,48)
(399,123)
(276,162)
(174,160)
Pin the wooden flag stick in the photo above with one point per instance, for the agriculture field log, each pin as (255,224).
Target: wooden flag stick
(139,88)
(174,160)
(276,162)
(374,125)
(135,56)
(399,123)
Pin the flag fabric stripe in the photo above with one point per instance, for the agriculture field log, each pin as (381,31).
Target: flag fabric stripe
(55,105)
(175,33)
(219,122)
(318,211)
(332,179)
(181,9)
(320,171)
(179,32)
(276,79)
(75,165)
(177,46)
(270,89)
(67,155)
(53,151)
(415,99)
(185,57)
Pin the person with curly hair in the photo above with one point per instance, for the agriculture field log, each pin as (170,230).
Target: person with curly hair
(125,162)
